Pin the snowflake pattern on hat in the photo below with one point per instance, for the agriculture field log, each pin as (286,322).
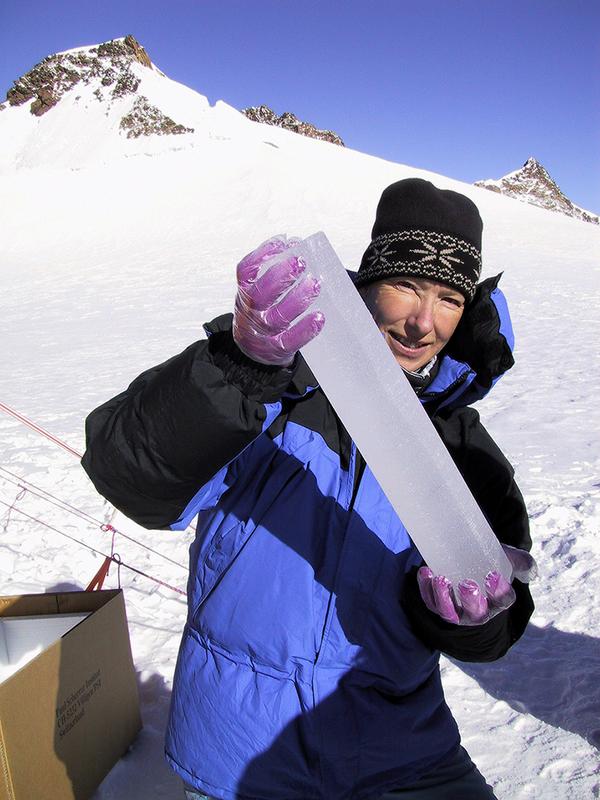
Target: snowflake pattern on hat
(426,254)
(443,255)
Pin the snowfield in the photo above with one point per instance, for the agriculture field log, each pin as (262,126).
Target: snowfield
(114,252)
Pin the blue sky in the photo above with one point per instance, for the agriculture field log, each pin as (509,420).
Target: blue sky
(467,88)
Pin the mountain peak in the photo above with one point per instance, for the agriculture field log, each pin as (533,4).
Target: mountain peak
(93,103)
(110,63)
(532,184)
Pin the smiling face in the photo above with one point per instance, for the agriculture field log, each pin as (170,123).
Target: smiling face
(417,317)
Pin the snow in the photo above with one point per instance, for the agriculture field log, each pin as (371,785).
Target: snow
(114,252)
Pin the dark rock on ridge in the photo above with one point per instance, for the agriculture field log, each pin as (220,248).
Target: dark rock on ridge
(290,122)
(146,119)
(128,47)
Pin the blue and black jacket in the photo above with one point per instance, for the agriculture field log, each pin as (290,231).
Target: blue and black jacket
(309,665)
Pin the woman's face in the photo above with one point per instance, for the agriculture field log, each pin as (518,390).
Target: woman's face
(417,317)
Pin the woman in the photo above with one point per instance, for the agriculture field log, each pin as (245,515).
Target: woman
(309,662)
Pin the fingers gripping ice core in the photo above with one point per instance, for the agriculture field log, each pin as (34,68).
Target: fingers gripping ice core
(268,321)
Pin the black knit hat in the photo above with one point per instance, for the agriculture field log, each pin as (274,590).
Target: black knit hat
(427,232)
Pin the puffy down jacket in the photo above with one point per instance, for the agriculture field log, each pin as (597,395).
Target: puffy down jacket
(300,675)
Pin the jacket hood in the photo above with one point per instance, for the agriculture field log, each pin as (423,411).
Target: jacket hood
(480,350)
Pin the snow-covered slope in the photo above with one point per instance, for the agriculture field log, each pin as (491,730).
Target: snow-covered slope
(532,184)
(110,264)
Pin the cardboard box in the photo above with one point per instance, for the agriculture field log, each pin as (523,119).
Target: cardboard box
(69,705)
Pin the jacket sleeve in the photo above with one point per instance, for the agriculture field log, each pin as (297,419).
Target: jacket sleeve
(490,478)
(159,450)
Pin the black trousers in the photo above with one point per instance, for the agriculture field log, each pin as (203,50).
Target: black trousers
(456,779)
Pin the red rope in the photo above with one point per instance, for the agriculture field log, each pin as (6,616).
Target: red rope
(43,432)
(38,429)
(114,557)
(98,580)
(64,506)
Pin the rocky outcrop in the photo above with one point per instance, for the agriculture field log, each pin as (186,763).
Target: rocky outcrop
(532,184)
(290,122)
(108,69)
(109,63)
(128,47)
(146,119)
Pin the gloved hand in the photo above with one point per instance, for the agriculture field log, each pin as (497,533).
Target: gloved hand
(475,606)
(264,315)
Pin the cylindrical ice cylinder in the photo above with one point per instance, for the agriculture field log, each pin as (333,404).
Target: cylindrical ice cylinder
(369,392)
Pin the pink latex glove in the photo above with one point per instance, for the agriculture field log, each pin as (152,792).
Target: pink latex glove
(474,606)
(266,307)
